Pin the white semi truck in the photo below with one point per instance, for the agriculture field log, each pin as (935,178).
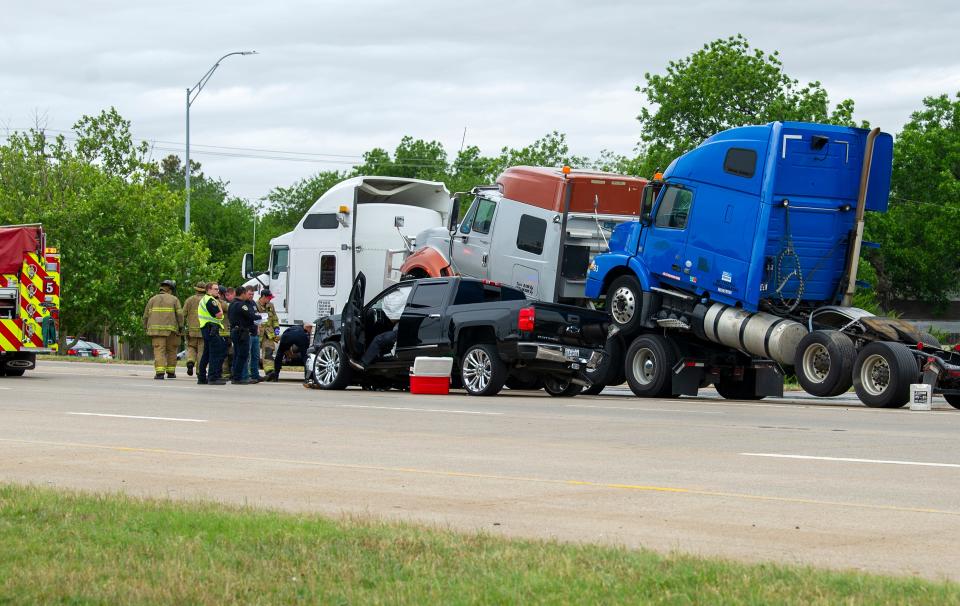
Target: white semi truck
(360,225)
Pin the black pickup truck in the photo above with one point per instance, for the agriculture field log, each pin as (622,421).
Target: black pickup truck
(491,331)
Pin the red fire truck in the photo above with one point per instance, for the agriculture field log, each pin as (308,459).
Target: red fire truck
(29,298)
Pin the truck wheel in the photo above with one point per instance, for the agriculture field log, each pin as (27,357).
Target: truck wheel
(482,370)
(929,340)
(610,371)
(883,373)
(952,399)
(624,302)
(561,388)
(648,366)
(744,389)
(330,367)
(824,363)
(594,389)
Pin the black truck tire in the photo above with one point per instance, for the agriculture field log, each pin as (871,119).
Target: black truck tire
(824,363)
(14,372)
(560,388)
(929,340)
(482,371)
(610,371)
(883,373)
(953,399)
(743,389)
(624,303)
(648,366)
(331,370)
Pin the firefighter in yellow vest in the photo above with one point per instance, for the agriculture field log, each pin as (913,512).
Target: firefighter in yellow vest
(163,321)
(194,336)
(226,298)
(269,330)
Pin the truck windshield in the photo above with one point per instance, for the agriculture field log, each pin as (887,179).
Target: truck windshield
(674,208)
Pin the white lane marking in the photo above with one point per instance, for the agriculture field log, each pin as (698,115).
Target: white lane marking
(6,388)
(459,412)
(692,412)
(100,414)
(849,460)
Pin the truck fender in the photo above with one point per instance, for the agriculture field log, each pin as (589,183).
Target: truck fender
(427,262)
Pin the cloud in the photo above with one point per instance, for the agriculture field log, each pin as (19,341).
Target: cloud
(340,78)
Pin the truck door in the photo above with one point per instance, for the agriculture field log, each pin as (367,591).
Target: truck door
(352,318)
(471,243)
(666,239)
(421,331)
(279,277)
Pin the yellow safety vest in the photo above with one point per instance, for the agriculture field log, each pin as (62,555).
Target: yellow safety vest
(204,315)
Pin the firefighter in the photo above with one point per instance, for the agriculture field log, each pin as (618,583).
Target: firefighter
(269,330)
(193,335)
(226,298)
(211,321)
(163,321)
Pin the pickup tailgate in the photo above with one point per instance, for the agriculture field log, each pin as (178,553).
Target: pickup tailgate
(568,325)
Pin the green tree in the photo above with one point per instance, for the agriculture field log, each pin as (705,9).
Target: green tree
(726,83)
(119,233)
(919,256)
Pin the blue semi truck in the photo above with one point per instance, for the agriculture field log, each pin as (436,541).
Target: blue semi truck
(743,266)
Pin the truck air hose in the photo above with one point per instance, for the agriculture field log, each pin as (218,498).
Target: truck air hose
(787,259)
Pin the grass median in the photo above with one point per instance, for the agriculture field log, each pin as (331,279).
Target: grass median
(65,547)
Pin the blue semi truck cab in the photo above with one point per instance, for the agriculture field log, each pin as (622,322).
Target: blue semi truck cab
(743,264)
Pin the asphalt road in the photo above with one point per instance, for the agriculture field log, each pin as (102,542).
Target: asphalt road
(829,483)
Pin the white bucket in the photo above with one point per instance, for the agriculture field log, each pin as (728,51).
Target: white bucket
(432,367)
(921,396)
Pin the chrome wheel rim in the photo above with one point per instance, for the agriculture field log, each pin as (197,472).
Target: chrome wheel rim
(644,366)
(556,385)
(875,375)
(327,365)
(624,305)
(477,370)
(816,363)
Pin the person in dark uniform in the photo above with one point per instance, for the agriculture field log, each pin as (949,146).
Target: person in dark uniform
(242,315)
(293,345)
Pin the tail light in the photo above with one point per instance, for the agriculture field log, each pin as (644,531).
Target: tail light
(71,352)
(528,319)
(94,352)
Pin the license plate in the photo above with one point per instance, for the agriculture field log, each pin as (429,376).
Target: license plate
(571,352)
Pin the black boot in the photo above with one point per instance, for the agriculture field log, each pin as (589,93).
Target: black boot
(159,376)
(171,375)
(189,369)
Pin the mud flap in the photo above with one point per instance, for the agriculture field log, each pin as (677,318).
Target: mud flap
(769,381)
(687,379)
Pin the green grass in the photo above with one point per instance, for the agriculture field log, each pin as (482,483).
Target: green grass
(65,547)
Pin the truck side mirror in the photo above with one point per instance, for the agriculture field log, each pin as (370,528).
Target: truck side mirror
(246,269)
(454,213)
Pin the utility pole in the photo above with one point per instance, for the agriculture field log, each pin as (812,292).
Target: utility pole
(192,94)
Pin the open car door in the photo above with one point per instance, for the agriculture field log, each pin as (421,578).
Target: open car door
(352,318)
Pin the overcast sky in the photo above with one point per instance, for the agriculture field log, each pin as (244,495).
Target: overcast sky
(334,79)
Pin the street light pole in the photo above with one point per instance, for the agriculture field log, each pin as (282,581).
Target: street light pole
(192,94)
